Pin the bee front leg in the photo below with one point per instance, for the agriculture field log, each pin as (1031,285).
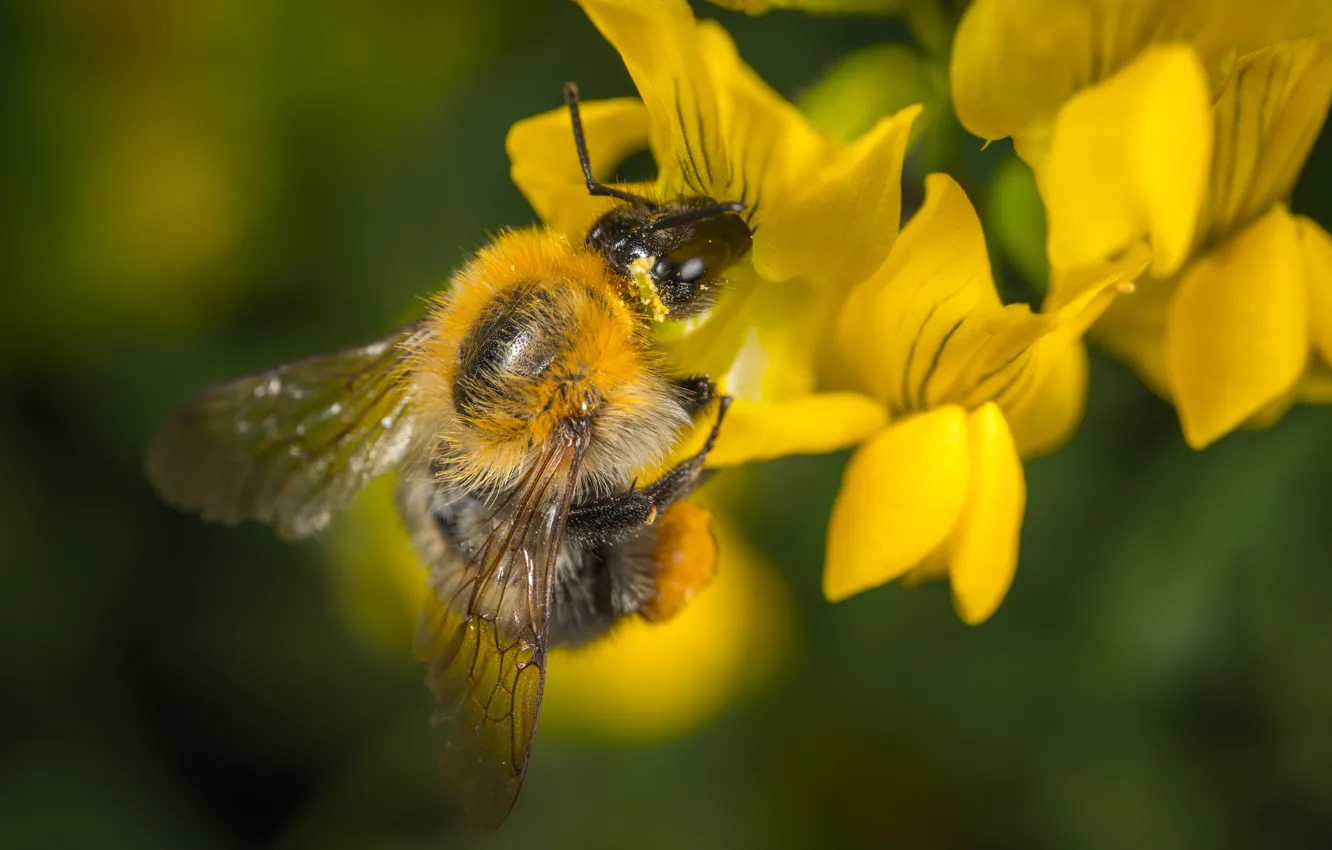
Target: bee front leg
(696,393)
(610,519)
(659,548)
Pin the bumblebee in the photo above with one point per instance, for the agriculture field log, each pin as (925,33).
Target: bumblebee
(517,410)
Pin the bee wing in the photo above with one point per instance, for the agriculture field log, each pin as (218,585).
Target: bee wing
(289,446)
(484,632)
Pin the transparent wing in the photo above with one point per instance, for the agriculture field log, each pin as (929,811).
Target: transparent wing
(289,446)
(484,632)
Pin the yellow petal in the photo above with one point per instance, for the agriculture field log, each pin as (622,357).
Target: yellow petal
(544,162)
(1015,62)
(1078,295)
(759,144)
(760,342)
(812,424)
(1046,418)
(1317,248)
(716,128)
(841,220)
(648,681)
(710,345)
(901,495)
(785,322)
(1013,360)
(906,331)
(1266,121)
(1237,334)
(670,77)
(983,550)
(1128,159)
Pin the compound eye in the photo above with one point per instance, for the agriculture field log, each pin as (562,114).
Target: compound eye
(692,259)
(683,278)
(672,272)
(691,270)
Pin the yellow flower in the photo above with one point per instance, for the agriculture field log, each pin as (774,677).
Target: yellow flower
(1234,334)
(1181,124)
(824,212)
(972,386)
(644,681)
(839,325)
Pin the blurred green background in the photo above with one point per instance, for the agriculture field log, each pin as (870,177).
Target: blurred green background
(192,189)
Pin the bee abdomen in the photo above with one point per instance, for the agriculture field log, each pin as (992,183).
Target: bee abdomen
(449,529)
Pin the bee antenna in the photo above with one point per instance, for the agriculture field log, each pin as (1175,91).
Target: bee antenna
(593,187)
(693,215)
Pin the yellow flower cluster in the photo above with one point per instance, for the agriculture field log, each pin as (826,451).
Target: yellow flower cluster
(1165,137)
(1181,125)
(842,332)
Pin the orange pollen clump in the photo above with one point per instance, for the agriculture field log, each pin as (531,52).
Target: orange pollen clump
(685,559)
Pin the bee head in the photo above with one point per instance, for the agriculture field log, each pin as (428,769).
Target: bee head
(677,252)
(673,254)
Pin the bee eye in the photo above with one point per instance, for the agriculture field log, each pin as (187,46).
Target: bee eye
(682,278)
(668,271)
(691,271)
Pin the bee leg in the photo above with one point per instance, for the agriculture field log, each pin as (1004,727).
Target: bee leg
(696,393)
(610,519)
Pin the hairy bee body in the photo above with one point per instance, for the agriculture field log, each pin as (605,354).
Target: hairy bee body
(533,333)
(534,426)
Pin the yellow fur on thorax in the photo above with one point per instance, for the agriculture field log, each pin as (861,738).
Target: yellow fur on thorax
(635,420)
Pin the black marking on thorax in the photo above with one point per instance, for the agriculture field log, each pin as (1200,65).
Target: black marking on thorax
(512,338)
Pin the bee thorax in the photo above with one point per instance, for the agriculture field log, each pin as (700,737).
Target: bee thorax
(538,360)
